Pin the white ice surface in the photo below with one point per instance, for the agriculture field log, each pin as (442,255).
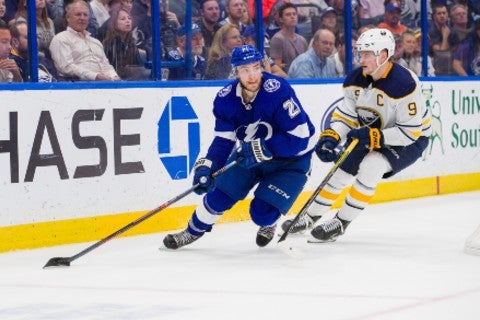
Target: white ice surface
(400,260)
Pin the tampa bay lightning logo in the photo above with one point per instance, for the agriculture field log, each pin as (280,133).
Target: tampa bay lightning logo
(224,91)
(256,130)
(271,85)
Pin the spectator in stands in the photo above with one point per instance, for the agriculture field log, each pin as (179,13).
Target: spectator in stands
(218,64)
(100,10)
(11,7)
(459,21)
(328,20)
(3,10)
(55,9)
(316,62)
(466,58)
(45,27)
(391,18)
(178,8)
(234,10)
(142,20)
(249,37)
(306,11)
(112,5)
(19,50)
(168,27)
(339,56)
(442,41)
(271,20)
(199,64)
(370,12)
(286,45)
(410,14)
(120,47)
(76,54)
(364,28)
(19,53)
(210,14)
(60,23)
(339,6)
(411,57)
(246,19)
(9,71)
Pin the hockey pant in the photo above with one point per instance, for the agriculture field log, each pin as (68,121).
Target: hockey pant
(278,183)
(363,170)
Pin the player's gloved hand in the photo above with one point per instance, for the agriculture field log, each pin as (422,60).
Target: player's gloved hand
(203,176)
(368,138)
(326,145)
(252,153)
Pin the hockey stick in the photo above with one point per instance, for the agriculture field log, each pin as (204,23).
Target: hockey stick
(65,261)
(310,200)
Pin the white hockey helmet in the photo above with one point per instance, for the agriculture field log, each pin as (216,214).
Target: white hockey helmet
(376,40)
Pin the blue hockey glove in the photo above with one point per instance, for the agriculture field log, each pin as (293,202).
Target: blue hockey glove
(252,153)
(368,138)
(203,176)
(325,149)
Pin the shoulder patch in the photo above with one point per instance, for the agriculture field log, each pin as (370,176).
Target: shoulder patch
(224,91)
(271,85)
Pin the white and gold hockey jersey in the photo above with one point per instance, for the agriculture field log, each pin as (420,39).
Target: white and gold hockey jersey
(394,104)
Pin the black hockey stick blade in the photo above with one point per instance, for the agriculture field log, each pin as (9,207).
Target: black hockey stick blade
(310,200)
(65,262)
(58,262)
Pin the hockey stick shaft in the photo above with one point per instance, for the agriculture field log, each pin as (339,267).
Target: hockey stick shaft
(322,185)
(65,261)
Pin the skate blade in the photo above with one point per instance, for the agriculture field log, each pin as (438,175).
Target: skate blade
(315,240)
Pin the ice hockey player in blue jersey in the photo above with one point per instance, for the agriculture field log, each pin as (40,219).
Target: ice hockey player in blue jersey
(384,109)
(260,123)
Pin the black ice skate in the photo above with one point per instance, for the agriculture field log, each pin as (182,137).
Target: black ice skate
(329,230)
(304,223)
(178,240)
(265,235)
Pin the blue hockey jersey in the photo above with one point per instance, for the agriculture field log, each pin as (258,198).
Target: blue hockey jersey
(275,115)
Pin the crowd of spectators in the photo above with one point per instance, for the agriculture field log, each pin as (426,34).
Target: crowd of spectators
(112,39)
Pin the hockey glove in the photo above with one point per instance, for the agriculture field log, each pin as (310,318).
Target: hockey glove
(252,153)
(203,176)
(326,145)
(369,138)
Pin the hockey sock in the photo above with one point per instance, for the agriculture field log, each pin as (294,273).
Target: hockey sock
(370,172)
(330,193)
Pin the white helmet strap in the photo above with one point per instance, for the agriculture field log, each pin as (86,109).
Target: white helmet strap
(377,60)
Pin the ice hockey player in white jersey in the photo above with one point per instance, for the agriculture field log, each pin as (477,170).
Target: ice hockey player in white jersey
(384,109)
(260,113)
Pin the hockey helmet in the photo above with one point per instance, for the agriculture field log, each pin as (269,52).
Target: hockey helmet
(244,55)
(376,40)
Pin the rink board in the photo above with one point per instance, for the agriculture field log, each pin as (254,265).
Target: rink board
(77,165)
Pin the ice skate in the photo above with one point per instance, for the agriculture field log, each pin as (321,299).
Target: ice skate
(304,223)
(180,239)
(472,244)
(265,235)
(329,231)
